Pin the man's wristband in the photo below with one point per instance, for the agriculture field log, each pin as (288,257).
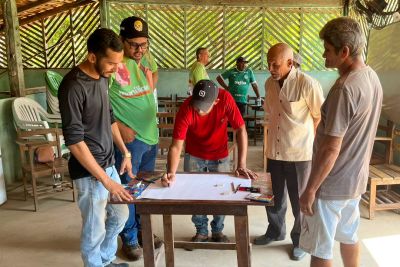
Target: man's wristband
(127,155)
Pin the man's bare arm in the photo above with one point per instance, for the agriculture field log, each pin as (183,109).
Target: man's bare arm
(316,122)
(82,153)
(221,81)
(126,165)
(242,141)
(255,89)
(325,159)
(173,158)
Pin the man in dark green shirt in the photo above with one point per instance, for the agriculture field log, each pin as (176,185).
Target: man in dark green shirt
(239,80)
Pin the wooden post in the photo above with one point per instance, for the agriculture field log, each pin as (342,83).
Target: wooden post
(13,42)
(103,14)
(346,7)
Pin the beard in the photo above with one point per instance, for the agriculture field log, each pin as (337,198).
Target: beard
(276,77)
(101,71)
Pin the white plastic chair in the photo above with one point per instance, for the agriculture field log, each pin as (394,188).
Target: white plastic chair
(29,115)
(33,131)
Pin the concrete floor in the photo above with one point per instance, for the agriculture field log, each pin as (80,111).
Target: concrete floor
(50,237)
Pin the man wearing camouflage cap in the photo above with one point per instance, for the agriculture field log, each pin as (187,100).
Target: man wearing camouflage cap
(131,95)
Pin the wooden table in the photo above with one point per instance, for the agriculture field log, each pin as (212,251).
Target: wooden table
(167,208)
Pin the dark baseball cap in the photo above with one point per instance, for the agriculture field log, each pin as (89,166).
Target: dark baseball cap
(205,92)
(134,27)
(241,59)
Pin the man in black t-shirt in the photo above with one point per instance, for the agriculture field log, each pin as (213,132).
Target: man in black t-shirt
(89,130)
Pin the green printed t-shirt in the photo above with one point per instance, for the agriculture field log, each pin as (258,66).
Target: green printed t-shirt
(198,72)
(149,62)
(239,82)
(133,101)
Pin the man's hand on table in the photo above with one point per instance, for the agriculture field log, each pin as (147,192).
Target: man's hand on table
(247,173)
(117,191)
(168,179)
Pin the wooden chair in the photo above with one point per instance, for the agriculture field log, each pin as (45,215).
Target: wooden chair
(384,174)
(251,100)
(166,121)
(254,117)
(180,98)
(32,126)
(169,106)
(162,100)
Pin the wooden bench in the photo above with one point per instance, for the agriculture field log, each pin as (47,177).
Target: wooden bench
(384,175)
(382,199)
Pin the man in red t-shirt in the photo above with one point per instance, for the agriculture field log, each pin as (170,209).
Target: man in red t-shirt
(202,121)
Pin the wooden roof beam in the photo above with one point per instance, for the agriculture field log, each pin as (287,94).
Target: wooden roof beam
(33,5)
(267,3)
(13,43)
(55,11)
(52,12)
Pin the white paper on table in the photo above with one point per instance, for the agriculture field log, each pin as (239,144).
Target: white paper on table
(199,186)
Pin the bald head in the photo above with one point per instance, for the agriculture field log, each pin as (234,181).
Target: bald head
(280,50)
(280,60)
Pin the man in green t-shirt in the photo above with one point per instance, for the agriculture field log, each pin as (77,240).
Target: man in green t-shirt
(198,69)
(239,80)
(131,96)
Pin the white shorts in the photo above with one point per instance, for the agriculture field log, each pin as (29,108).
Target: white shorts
(332,220)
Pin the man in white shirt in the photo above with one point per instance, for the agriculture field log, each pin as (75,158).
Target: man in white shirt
(293,101)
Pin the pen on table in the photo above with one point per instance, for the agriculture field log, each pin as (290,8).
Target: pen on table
(237,188)
(167,179)
(250,189)
(233,187)
(167,175)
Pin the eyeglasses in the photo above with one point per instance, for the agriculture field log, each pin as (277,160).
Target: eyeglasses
(136,46)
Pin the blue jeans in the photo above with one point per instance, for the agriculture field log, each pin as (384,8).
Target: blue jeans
(194,164)
(143,159)
(101,222)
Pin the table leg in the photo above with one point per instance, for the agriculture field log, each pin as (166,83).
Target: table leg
(242,241)
(372,199)
(168,241)
(148,241)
